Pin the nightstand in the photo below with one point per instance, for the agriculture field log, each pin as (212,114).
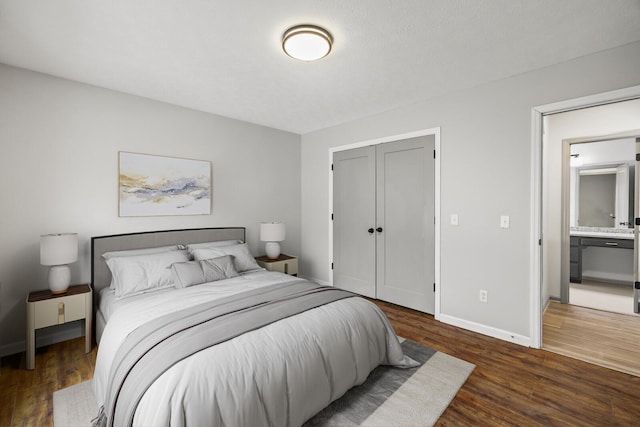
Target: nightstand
(47,309)
(284,264)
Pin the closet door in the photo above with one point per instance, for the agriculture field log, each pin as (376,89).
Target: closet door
(354,209)
(405,217)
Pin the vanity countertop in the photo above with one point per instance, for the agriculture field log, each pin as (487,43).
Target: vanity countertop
(607,233)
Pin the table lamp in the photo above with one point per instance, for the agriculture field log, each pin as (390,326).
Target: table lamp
(58,250)
(272,233)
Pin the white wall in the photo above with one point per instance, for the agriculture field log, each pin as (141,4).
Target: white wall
(587,122)
(486,172)
(601,152)
(59,144)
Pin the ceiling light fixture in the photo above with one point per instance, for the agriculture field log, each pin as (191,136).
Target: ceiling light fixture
(307,42)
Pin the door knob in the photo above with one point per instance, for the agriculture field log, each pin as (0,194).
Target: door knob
(379,229)
(371,230)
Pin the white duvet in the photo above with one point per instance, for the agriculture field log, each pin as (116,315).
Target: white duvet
(279,375)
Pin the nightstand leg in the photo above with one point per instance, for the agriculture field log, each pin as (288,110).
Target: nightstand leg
(88,316)
(87,335)
(31,337)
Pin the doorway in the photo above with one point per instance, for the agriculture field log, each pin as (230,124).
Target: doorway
(598,207)
(605,117)
(539,269)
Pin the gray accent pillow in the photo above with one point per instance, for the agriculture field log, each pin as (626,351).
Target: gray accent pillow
(187,274)
(242,258)
(191,273)
(218,268)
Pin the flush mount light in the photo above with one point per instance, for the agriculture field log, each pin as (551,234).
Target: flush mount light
(307,42)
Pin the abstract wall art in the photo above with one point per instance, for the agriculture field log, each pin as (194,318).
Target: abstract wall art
(151,185)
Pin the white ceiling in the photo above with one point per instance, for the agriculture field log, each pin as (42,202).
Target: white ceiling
(224,57)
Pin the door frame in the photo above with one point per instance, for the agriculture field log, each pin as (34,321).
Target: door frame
(432,131)
(537,133)
(565,206)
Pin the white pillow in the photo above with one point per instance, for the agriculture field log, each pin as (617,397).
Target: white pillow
(243,260)
(142,273)
(193,246)
(131,252)
(143,251)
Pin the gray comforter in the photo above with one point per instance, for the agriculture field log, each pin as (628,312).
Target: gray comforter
(272,355)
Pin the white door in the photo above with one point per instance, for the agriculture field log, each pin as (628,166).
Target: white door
(622,197)
(354,210)
(384,222)
(636,227)
(406,223)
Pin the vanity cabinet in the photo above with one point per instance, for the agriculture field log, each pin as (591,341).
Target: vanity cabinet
(606,243)
(575,269)
(579,259)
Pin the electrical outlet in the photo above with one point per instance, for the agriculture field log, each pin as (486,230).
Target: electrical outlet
(484,295)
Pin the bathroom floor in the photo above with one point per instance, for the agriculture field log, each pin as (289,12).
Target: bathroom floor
(600,337)
(617,298)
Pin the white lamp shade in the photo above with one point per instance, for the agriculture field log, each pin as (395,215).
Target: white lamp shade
(58,249)
(272,232)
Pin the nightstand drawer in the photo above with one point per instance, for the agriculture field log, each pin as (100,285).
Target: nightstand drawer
(287,267)
(283,264)
(59,310)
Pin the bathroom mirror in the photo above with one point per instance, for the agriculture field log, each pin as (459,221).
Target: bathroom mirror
(602,189)
(603,197)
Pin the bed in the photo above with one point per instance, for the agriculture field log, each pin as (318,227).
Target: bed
(192,332)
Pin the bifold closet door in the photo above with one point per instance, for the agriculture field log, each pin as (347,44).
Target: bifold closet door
(383,222)
(354,210)
(405,214)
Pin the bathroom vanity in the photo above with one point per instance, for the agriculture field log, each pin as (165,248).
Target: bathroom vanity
(607,244)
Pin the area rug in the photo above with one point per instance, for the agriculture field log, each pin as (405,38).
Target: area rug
(389,397)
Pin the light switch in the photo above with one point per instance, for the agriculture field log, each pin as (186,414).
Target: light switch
(504,221)
(454,219)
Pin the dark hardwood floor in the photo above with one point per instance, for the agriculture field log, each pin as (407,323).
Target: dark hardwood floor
(26,397)
(519,386)
(511,385)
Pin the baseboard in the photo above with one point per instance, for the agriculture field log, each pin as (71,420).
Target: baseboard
(43,338)
(549,302)
(486,330)
(619,279)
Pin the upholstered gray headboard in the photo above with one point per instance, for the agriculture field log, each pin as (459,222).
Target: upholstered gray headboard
(100,274)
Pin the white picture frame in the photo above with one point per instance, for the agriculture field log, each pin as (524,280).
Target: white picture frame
(151,185)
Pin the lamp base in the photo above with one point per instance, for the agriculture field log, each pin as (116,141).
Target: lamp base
(59,279)
(272,250)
